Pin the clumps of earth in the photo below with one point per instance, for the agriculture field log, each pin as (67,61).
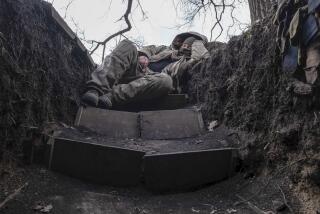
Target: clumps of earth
(240,86)
(42,72)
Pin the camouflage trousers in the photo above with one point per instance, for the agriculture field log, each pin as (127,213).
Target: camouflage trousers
(121,76)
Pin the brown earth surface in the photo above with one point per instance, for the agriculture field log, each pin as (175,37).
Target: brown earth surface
(68,195)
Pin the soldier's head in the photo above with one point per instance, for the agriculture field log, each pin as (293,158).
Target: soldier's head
(186,46)
(180,38)
(177,42)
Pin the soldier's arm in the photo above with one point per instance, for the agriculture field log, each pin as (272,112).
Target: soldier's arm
(199,51)
(151,50)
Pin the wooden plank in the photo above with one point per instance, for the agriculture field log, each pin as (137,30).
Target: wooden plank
(81,46)
(62,23)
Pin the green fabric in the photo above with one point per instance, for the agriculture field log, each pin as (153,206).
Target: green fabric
(152,50)
(296,25)
(189,41)
(158,53)
(295,29)
(177,69)
(121,76)
(121,66)
(147,87)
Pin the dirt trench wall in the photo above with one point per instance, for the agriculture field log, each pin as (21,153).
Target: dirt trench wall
(42,70)
(242,86)
(235,85)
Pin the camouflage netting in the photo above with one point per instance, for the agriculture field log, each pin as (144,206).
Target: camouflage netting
(42,70)
(242,86)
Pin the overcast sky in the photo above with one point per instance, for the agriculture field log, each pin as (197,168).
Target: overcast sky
(99,19)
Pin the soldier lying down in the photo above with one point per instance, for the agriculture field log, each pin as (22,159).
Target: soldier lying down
(128,75)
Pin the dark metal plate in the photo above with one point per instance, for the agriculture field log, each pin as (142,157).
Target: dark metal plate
(96,163)
(113,124)
(169,102)
(171,124)
(183,171)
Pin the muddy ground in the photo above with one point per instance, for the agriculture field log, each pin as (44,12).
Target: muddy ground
(67,195)
(240,86)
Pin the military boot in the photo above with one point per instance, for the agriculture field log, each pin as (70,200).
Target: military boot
(105,101)
(90,98)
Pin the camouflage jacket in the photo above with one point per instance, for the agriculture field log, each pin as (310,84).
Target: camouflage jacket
(157,53)
(181,64)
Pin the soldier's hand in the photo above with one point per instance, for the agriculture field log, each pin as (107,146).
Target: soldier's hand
(199,51)
(143,61)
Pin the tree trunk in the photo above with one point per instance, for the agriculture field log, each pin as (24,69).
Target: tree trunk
(260,8)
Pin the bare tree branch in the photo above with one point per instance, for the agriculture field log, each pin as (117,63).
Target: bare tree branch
(67,8)
(218,18)
(241,26)
(143,12)
(193,8)
(128,28)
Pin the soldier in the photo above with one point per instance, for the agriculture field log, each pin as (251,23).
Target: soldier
(311,39)
(128,75)
(304,33)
